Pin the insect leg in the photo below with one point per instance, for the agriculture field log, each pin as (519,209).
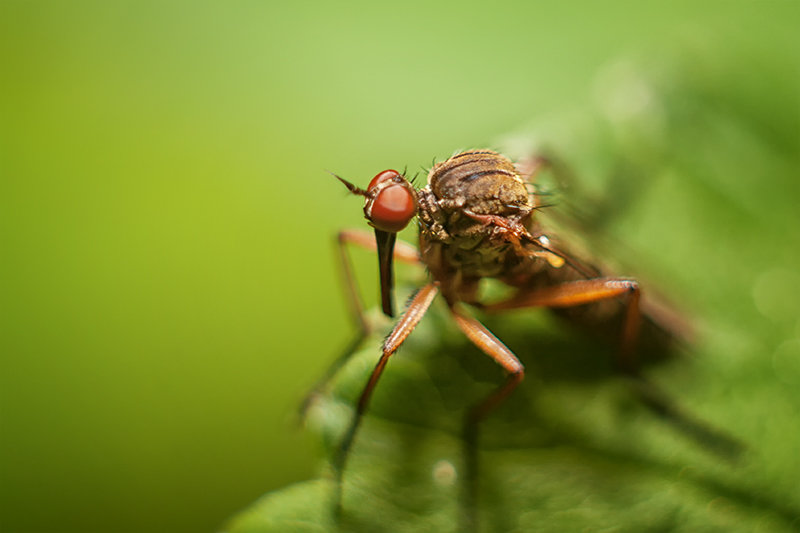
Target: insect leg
(491,346)
(594,290)
(416,309)
(583,292)
(364,239)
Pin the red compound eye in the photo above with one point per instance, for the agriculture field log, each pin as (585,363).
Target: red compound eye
(380,177)
(394,205)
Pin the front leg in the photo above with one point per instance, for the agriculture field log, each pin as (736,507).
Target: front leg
(402,252)
(416,309)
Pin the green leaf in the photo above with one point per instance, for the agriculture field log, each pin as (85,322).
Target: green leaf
(696,174)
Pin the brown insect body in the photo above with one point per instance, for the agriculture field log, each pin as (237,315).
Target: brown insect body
(477,220)
(478,182)
(473,214)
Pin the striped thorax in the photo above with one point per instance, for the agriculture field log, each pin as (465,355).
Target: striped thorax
(476,182)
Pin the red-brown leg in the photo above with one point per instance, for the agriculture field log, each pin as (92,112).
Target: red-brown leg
(595,290)
(491,346)
(584,292)
(494,348)
(416,309)
(402,252)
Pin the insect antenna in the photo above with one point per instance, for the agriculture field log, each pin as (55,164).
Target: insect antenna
(350,187)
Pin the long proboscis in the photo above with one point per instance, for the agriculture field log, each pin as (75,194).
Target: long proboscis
(385,241)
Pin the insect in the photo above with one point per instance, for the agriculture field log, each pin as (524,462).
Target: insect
(477,219)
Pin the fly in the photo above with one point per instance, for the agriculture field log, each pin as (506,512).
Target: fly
(477,220)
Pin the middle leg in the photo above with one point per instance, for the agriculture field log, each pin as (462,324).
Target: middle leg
(416,309)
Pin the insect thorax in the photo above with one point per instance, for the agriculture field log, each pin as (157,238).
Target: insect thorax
(482,181)
(477,182)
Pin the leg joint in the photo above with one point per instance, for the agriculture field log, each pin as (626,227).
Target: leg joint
(630,284)
(517,373)
(625,287)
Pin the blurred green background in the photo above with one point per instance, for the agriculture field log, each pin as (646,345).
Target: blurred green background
(168,288)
